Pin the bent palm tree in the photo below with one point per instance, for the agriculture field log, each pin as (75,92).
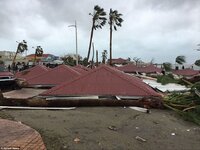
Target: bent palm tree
(180,60)
(22,46)
(114,21)
(98,21)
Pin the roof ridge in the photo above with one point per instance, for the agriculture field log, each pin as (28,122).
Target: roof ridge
(119,74)
(113,71)
(52,70)
(73,80)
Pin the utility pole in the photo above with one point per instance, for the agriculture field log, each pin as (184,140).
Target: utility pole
(76,36)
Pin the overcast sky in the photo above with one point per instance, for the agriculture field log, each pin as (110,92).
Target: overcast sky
(152,29)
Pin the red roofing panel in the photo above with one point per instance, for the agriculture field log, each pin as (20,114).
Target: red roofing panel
(129,68)
(32,72)
(150,69)
(82,67)
(55,76)
(186,72)
(118,61)
(6,73)
(79,70)
(103,80)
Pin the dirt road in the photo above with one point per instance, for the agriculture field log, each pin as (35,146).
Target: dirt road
(109,128)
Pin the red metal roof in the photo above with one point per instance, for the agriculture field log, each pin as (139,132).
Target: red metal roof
(186,72)
(150,69)
(6,73)
(82,67)
(118,61)
(43,55)
(55,76)
(103,80)
(129,68)
(32,72)
(79,70)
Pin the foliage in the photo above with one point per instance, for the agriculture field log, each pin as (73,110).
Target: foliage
(104,56)
(98,21)
(165,79)
(197,62)
(38,51)
(99,18)
(69,61)
(167,66)
(22,46)
(1,62)
(180,60)
(115,19)
(186,105)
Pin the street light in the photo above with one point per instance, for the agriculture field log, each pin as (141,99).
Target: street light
(75,26)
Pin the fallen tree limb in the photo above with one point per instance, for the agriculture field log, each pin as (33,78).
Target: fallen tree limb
(149,102)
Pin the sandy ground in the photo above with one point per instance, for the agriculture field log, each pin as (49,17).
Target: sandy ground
(161,129)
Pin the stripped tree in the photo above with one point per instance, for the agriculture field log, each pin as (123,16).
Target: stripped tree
(98,21)
(114,21)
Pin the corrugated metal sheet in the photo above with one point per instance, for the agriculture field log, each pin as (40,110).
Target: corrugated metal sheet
(171,87)
(103,80)
(32,72)
(55,76)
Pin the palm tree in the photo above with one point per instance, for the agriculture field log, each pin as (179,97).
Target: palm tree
(114,21)
(22,46)
(180,60)
(197,62)
(98,21)
(167,66)
(38,52)
(104,56)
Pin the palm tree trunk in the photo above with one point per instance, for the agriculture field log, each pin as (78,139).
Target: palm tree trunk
(92,55)
(13,62)
(97,61)
(91,36)
(35,59)
(110,42)
(15,55)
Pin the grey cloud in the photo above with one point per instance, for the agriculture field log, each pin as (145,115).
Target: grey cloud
(151,28)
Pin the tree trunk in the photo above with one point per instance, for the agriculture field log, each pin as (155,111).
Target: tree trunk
(97,61)
(110,42)
(35,59)
(92,55)
(91,36)
(15,55)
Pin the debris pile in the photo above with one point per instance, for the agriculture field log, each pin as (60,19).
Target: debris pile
(186,104)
